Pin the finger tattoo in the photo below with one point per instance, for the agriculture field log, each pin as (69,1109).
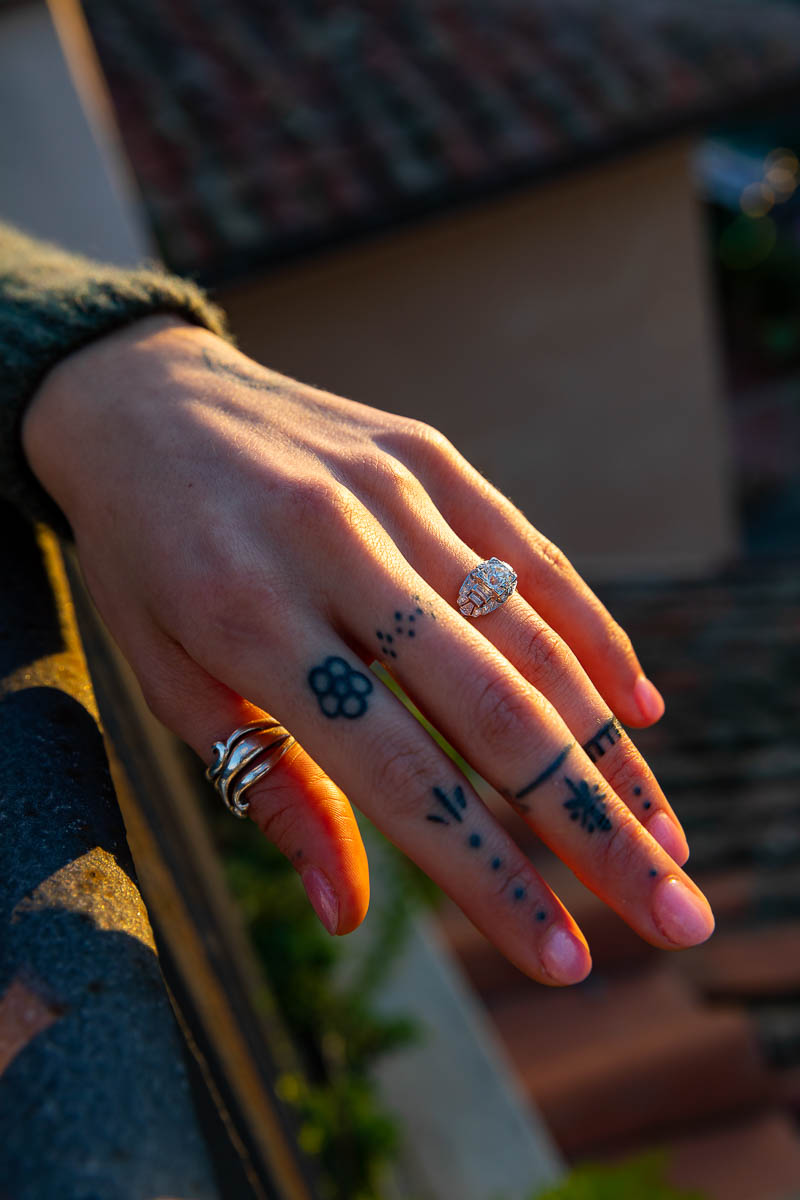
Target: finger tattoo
(610,733)
(340,690)
(545,774)
(404,626)
(586,803)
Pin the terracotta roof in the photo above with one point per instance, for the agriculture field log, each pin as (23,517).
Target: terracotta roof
(259,130)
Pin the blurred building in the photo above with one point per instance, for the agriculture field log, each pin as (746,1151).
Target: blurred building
(479,214)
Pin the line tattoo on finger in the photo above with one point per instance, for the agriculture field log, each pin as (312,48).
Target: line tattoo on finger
(544,775)
(609,733)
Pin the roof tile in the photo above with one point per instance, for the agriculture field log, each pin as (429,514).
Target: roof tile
(257,130)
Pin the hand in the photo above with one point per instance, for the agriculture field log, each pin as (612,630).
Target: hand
(254,543)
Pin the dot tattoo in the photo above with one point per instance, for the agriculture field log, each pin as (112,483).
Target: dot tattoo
(403,626)
(340,689)
(586,804)
(451,807)
(637,791)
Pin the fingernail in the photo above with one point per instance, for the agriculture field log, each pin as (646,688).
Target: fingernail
(682,915)
(669,837)
(565,958)
(649,699)
(323,898)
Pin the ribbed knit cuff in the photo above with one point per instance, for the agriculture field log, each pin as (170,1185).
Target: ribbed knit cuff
(52,303)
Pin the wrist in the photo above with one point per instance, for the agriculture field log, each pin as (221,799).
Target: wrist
(68,418)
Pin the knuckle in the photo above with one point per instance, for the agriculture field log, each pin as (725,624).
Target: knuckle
(401,777)
(434,440)
(621,845)
(554,556)
(159,700)
(616,640)
(227,604)
(512,881)
(428,444)
(624,767)
(275,813)
(543,649)
(232,605)
(310,499)
(503,716)
(395,479)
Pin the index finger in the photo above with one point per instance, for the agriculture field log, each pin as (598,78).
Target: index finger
(492,525)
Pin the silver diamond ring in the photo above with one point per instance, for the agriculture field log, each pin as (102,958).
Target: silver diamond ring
(248,755)
(486,587)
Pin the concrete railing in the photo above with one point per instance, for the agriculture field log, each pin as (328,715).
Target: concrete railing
(95,1092)
(102,1092)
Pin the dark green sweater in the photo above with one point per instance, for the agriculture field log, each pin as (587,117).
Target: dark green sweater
(52,303)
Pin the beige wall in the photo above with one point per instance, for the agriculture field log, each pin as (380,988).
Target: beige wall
(62,176)
(559,336)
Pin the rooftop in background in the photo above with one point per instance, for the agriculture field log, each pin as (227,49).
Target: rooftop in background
(259,131)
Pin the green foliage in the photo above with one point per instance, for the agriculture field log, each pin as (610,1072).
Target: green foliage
(342,1125)
(339,1037)
(757,267)
(638,1179)
(335,1032)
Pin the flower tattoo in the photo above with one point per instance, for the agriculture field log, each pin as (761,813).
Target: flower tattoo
(586,804)
(340,690)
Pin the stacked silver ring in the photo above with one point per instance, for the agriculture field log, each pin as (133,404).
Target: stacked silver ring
(248,755)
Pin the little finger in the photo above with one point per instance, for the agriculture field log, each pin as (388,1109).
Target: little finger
(295,805)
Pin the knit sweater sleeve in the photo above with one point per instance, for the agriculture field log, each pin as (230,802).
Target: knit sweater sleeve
(52,303)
